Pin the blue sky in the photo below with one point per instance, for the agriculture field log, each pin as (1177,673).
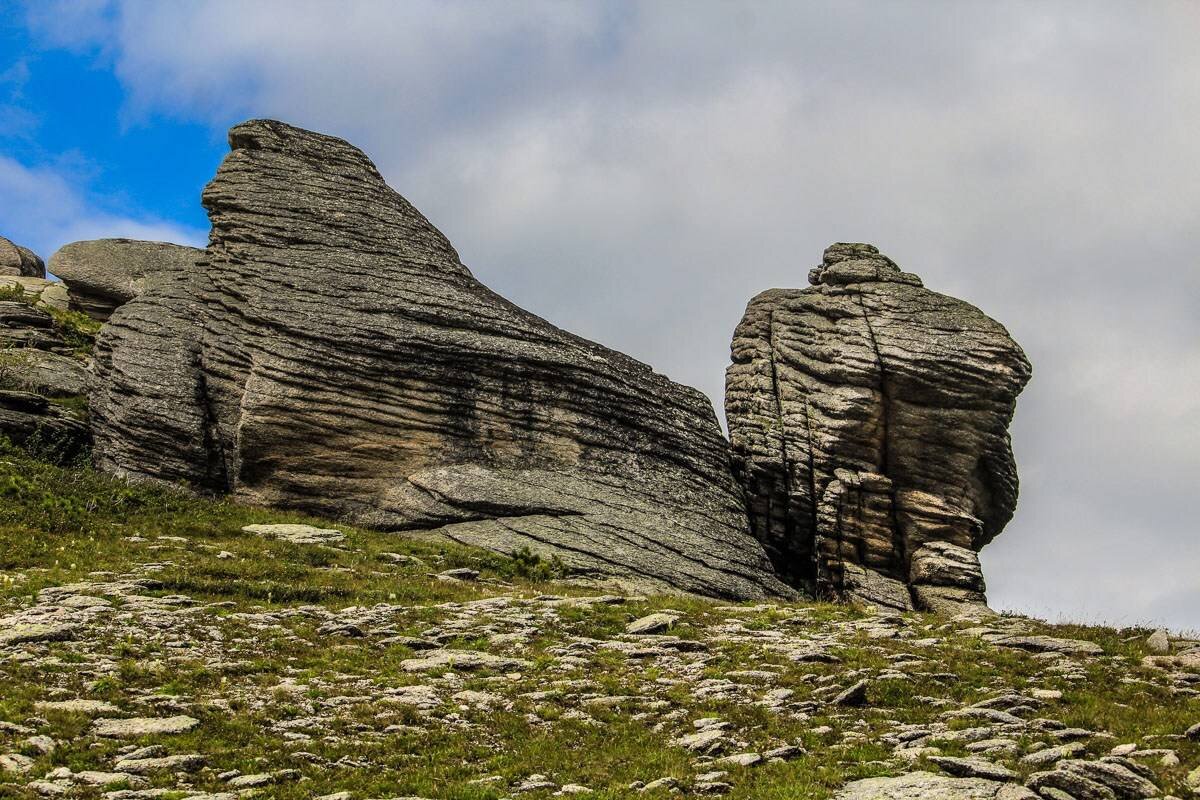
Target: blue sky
(63,113)
(635,172)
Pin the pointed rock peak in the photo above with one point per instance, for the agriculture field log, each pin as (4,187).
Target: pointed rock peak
(270,135)
(856,262)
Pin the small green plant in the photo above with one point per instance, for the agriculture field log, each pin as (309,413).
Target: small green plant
(12,292)
(527,564)
(77,330)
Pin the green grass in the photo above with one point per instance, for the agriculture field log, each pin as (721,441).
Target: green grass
(249,682)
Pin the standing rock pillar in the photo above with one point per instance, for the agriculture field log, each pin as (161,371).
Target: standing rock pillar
(868,418)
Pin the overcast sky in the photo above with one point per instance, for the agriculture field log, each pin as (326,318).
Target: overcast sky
(635,172)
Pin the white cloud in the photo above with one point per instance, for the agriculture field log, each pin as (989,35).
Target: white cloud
(51,207)
(637,172)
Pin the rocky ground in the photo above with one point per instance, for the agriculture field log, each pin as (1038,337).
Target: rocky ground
(156,646)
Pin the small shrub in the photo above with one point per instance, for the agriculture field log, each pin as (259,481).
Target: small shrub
(12,292)
(525,563)
(77,330)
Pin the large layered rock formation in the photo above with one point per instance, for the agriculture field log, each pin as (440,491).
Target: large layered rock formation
(332,354)
(868,418)
(103,274)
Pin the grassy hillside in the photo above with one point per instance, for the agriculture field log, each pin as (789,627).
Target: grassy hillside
(379,667)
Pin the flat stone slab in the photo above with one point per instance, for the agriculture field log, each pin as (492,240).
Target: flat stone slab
(189,762)
(297,534)
(1049,644)
(143,726)
(974,768)
(468,660)
(78,706)
(28,633)
(927,786)
(652,623)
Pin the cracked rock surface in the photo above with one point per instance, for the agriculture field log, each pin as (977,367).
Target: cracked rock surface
(868,419)
(332,354)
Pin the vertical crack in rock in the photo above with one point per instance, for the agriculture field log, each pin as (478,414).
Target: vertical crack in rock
(910,394)
(885,465)
(330,353)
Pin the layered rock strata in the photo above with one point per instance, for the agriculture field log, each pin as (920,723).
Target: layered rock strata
(331,353)
(38,366)
(868,419)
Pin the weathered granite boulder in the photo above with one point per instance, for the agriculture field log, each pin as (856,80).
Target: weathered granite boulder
(17,260)
(868,419)
(103,274)
(332,354)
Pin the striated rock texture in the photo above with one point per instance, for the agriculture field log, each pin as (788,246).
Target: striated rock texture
(868,418)
(17,260)
(332,354)
(102,274)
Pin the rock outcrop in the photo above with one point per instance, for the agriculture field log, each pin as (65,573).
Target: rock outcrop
(332,354)
(868,419)
(103,274)
(37,366)
(17,260)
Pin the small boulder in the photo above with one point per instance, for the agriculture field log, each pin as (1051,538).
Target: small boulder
(651,623)
(104,274)
(136,727)
(17,260)
(1158,642)
(297,534)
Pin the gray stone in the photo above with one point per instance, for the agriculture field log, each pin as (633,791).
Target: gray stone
(42,292)
(17,260)
(15,763)
(707,741)
(855,695)
(46,373)
(1074,784)
(104,274)
(297,534)
(652,623)
(1050,755)
(466,660)
(24,326)
(25,633)
(333,355)
(1125,783)
(927,786)
(868,419)
(973,768)
(189,762)
(77,707)
(136,727)
(1048,644)
(1158,642)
